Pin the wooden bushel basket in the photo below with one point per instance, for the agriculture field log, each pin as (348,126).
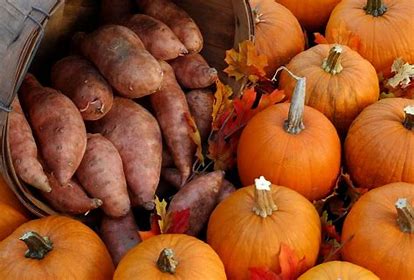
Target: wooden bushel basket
(24,23)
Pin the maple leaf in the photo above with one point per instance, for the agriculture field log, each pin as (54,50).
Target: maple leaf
(179,221)
(222,104)
(340,35)
(246,63)
(195,136)
(320,39)
(161,210)
(155,228)
(404,73)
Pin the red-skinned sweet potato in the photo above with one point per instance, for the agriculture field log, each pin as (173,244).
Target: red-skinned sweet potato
(157,37)
(167,160)
(170,107)
(119,235)
(200,102)
(102,176)
(78,79)
(193,72)
(23,150)
(58,126)
(119,55)
(200,196)
(177,19)
(136,135)
(114,12)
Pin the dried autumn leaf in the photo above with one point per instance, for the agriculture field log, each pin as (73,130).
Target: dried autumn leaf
(155,228)
(195,136)
(222,151)
(320,39)
(222,104)
(161,210)
(262,274)
(404,73)
(341,35)
(246,63)
(179,221)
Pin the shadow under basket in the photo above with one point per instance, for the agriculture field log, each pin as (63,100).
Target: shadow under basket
(40,33)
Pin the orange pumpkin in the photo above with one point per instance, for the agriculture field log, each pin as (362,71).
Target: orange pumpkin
(312,14)
(8,197)
(55,247)
(385,29)
(248,228)
(379,232)
(10,219)
(339,82)
(275,23)
(302,153)
(338,270)
(379,146)
(171,256)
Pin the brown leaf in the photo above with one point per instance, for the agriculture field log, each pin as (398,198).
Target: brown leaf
(222,104)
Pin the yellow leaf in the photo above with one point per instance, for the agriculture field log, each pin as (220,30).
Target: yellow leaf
(404,72)
(195,136)
(161,208)
(222,103)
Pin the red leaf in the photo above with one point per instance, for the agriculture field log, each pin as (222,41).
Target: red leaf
(320,39)
(179,221)
(262,274)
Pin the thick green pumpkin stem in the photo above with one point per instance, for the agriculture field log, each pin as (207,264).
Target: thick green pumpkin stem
(166,261)
(263,200)
(375,8)
(332,64)
(409,117)
(37,245)
(405,215)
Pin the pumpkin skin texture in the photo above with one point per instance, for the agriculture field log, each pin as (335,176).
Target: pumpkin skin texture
(312,14)
(275,22)
(339,96)
(383,38)
(378,148)
(77,252)
(8,197)
(243,239)
(10,219)
(196,260)
(307,162)
(374,215)
(338,270)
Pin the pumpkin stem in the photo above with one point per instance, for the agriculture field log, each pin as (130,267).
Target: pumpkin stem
(38,246)
(257,15)
(263,200)
(409,117)
(375,8)
(405,218)
(332,64)
(166,261)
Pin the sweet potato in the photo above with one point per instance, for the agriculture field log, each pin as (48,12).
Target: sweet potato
(23,150)
(58,126)
(227,189)
(119,235)
(120,56)
(79,80)
(200,196)
(136,135)
(114,12)
(102,176)
(200,102)
(177,19)
(157,37)
(69,198)
(167,160)
(170,107)
(192,71)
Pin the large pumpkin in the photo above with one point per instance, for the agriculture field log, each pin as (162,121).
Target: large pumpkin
(8,197)
(292,145)
(171,256)
(10,219)
(385,29)
(338,270)
(339,82)
(312,14)
(379,148)
(248,228)
(378,233)
(55,247)
(278,34)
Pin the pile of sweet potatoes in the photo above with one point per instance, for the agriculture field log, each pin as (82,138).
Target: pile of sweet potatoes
(113,122)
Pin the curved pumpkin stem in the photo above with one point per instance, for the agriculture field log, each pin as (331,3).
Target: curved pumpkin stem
(166,261)
(409,117)
(37,245)
(332,64)
(263,201)
(375,8)
(405,218)
(257,15)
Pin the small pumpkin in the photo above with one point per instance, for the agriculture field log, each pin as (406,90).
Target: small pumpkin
(275,23)
(292,145)
(379,145)
(8,197)
(378,232)
(312,14)
(171,256)
(10,219)
(338,270)
(54,247)
(248,228)
(339,82)
(384,28)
